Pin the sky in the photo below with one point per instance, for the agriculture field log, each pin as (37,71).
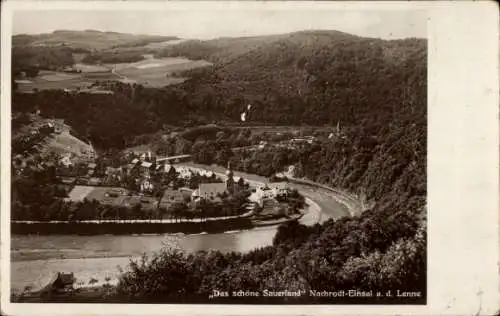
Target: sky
(207,24)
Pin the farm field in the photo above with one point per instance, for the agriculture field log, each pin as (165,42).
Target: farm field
(50,80)
(150,72)
(106,195)
(84,68)
(154,72)
(111,196)
(79,192)
(57,76)
(158,45)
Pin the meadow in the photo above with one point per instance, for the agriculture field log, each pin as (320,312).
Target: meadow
(101,194)
(53,80)
(111,196)
(150,72)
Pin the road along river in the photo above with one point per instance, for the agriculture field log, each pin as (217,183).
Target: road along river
(98,256)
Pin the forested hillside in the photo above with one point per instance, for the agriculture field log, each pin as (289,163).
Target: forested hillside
(38,57)
(376,91)
(308,77)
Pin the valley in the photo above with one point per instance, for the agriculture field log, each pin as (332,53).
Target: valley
(293,161)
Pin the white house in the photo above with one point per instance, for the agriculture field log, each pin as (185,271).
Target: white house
(278,188)
(146,186)
(184,173)
(66,161)
(262,193)
(268,191)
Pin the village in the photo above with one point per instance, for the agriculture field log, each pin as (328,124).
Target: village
(146,186)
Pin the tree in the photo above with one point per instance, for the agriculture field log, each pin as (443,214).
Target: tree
(241,183)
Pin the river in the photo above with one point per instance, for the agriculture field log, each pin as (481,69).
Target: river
(98,256)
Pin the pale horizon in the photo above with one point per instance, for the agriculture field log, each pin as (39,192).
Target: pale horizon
(206,25)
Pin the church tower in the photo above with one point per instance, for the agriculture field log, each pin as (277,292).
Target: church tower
(229,180)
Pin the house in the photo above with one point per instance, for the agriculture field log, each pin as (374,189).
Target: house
(146,168)
(268,192)
(278,188)
(209,191)
(66,161)
(146,186)
(184,173)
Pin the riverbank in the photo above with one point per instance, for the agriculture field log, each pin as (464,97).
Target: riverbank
(121,228)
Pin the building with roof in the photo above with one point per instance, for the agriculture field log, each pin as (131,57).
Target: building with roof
(184,172)
(145,168)
(278,188)
(146,186)
(269,192)
(66,161)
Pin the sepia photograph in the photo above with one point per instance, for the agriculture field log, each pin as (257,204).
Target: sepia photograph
(221,155)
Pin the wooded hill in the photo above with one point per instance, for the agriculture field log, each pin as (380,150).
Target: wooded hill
(307,77)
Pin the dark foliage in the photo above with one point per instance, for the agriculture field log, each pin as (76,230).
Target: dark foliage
(32,58)
(112,57)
